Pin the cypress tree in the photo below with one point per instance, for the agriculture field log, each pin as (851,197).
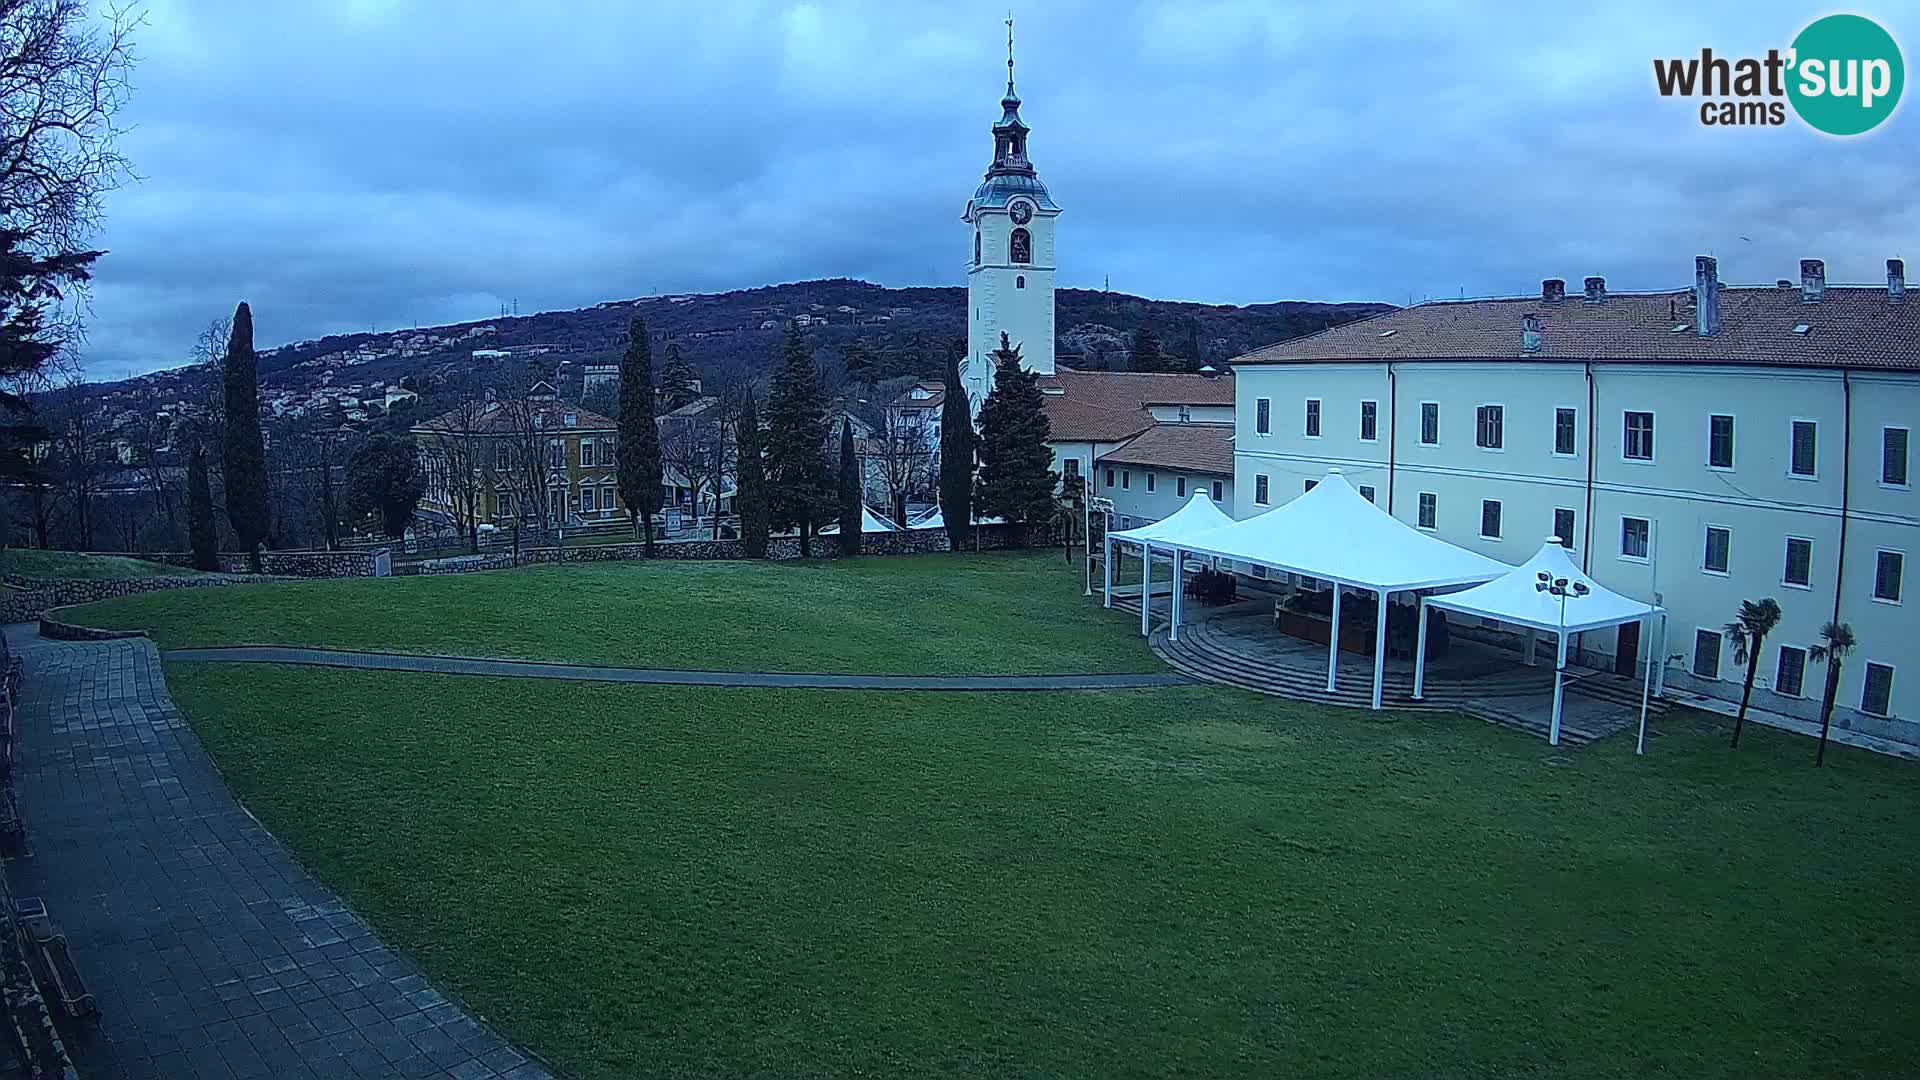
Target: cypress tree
(956,457)
(750,490)
(676,379)
(641,474)
(851,502)
(1016,467)
(799,487)
(200,525)
(1147,355)
(243,451)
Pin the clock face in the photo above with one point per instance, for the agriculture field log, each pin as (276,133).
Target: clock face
(1022,212)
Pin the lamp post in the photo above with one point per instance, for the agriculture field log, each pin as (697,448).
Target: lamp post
(1561,588)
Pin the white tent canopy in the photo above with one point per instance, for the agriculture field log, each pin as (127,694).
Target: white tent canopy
(1197,516)
(937,520)
(870,522)
(1547,592)
(1336,533)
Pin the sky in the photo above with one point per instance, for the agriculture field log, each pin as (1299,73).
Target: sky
(374,164)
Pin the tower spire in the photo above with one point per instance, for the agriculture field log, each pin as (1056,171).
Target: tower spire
(1010,92)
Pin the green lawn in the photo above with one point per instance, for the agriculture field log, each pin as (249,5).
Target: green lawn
(35,563)
(941,614)
(1184,882)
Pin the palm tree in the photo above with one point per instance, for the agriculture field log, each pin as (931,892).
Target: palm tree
(1755,622)
(1836,641)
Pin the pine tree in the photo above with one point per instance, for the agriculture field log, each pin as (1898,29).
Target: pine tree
(1194,359)
(800,489)
(243,450)
(1016,476)
(384,478)
(857,359)
(676,379)
(851,502)
(956,456)
(1147,355)
(642,477)
(200,525)
(750,489)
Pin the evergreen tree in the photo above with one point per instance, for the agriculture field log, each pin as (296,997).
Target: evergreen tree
(956,456)
(384,478)
(200,525)
(642,478)
(1146,351)
(800,489)
(676,379)
(1016,476)
(857,358)
(1193,358)
(243,450)
(851,501)
(750,488)
(1836,644)
(1749,631)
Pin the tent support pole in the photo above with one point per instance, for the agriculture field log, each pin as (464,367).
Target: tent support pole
(1173,628)
(1533,643)
(1106,571)
(1380,651)
(1559,689)
(1333,641)
(1646,688)
(1420,654)
(1146,589)
(1660,673)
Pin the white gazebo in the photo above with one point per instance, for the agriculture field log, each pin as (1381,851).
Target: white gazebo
(1335,534)
(1547,592)
(870,522)
(1199,515)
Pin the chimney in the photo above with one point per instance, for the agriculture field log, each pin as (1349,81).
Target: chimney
(1529,333)
(1706,295)
(1783,283)
(1896,280)
(1596,290)
(1813,280)
(1553,290)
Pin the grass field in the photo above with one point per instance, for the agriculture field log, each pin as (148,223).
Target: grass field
(1193,881)
(35,563)
(944,614)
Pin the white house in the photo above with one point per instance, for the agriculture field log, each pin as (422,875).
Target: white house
(1695,448)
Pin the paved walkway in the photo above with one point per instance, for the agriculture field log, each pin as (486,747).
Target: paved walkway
(532,669)
(211,952)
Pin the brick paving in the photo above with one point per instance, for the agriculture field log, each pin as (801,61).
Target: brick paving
(212,953)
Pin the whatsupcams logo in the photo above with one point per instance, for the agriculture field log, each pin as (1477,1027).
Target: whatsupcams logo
(1843,76)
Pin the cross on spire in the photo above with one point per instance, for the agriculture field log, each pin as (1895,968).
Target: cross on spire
(1009,54)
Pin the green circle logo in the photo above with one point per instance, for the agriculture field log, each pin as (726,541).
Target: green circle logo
(1846,75)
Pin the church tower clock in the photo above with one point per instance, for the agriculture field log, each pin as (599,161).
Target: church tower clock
(1010,273)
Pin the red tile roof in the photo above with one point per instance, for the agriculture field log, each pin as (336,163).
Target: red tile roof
(503,419)
(1108,406)
(1206,448)
(1852,326)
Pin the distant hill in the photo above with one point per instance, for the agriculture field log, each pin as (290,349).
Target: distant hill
(735,336)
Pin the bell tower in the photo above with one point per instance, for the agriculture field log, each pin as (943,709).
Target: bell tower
(1010,266)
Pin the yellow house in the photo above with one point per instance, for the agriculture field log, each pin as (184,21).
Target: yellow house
(538,458)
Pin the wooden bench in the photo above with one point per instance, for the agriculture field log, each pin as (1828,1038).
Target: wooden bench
(46,950)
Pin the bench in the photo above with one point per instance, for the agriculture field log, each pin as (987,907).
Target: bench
(52,966)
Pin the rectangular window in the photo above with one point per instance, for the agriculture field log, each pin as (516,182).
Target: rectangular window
(1490,519)
(1719,540)
(1369,421)
(1126,479)
(1893,456)
(1260,489)
(606,498)
(1366,492)
(1429,509)
(1637,440)
(1109,477)
(1072,467)
(1263,417)
(1720,441)
(1706,654)
(1876,695)
(1313,418)
(1430,423)
(1805,439)
(1180,487)
(586,453)
(1151,477)
(1563,526)
(1634,534)
(1487,428)
(1219,491)
(1886,575)
(1790,675)
(557,454)
(1563,431)
(1799,569)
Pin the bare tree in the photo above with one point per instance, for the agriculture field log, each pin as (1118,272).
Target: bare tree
(529,455)
(903,448)
(698,451)
(459,455)
(76,458)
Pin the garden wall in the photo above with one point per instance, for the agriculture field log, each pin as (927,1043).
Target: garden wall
(25,600)
(303,564)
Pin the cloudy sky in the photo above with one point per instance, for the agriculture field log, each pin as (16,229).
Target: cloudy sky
(376,163)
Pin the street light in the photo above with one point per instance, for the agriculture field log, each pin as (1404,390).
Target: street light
(1562,588)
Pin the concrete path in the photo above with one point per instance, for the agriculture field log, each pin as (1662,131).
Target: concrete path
(211,952)
(533,669)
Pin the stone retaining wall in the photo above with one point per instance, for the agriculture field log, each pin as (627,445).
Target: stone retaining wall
(297,564)
(26,600)
(55,630)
